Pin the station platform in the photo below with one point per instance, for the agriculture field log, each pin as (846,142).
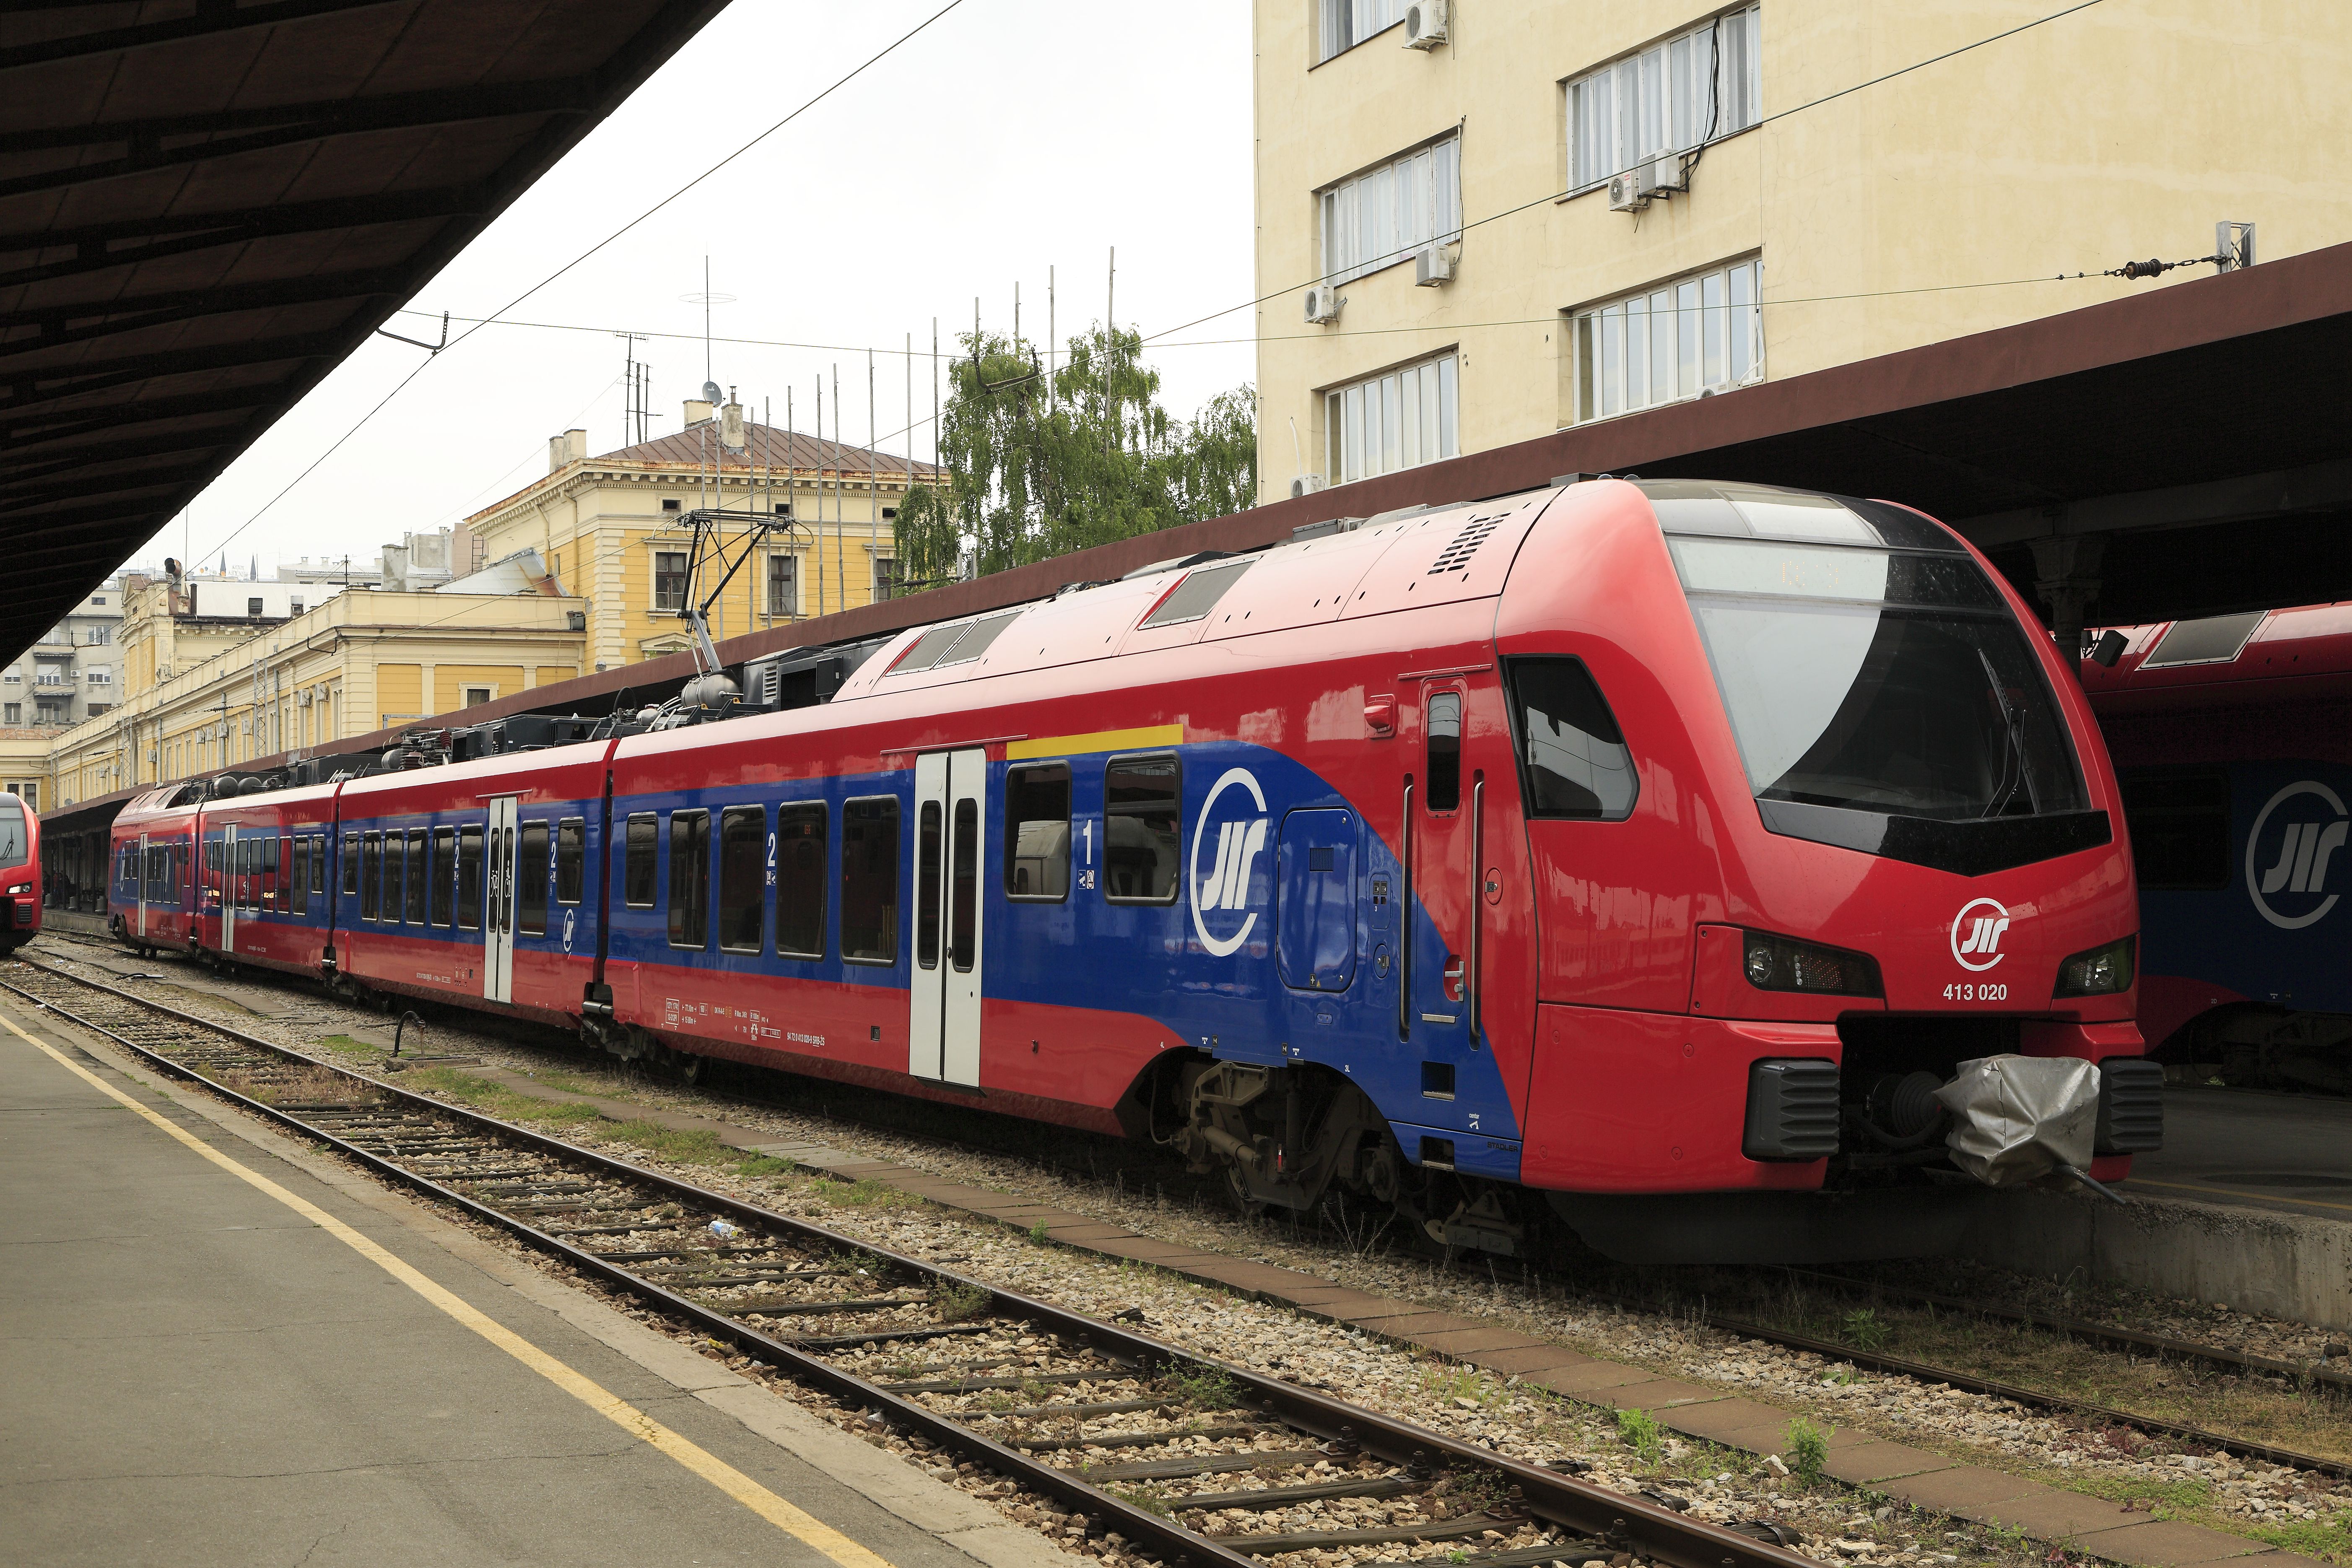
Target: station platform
(226,1348)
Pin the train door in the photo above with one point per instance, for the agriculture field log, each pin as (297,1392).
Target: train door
(497,911)
(230,890)
(951,855)
(144,876)
(1439,1012)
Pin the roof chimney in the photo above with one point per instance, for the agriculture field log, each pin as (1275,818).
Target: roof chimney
(558,454)
(575,444)
(698,410)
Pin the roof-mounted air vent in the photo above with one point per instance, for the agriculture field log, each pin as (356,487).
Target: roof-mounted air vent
(1192,598)
(1455,557)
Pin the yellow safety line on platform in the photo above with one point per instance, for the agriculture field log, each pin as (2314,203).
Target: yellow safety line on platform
(810,1530)
(2234,1192)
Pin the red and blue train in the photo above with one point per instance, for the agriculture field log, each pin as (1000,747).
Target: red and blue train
(20,874)
(2231,737)
(1636,844)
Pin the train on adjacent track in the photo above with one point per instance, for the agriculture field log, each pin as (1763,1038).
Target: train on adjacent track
(2232,736)
(1660,847)
(20,874)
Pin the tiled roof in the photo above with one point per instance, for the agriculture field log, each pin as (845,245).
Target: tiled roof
(764,447)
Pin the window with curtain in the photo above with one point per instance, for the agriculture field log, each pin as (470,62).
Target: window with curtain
(1669,97)
(1700,333)
(1399,419)
(1381,216)
(1347,23)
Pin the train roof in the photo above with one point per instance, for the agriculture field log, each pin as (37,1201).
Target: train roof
(2299,654)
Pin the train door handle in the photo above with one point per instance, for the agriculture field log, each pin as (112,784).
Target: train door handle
(1453,971)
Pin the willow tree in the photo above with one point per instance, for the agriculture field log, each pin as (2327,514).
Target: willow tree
(1041,465)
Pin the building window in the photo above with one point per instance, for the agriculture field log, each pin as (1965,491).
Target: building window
(669,579)
(15,712)
(97,637)
(1347,23)
(293,606)
(477,695)
(50,712)
(1704,333)
(1666,99)
(783,586)
(100,675)
(885,574)
(1383,215)
(98,598)
(97,708)
(1398,420)
(669,506)
(253,606)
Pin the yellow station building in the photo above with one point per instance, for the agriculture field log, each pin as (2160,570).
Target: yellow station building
(1482,221)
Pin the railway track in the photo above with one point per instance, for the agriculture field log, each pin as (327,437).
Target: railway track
(2036,1399)
(1192,1461)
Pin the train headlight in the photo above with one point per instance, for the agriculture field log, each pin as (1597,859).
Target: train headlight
(21,887)
(1778,963)
(2101,972)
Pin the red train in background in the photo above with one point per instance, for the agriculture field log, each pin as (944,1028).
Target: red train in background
(20,874)
(1659,848)
(2233,735)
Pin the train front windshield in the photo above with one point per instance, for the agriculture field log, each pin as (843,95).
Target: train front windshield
(1867,664)
(14,838)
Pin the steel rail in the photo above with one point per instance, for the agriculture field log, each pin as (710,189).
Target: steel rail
(1624,1523)
(1829,1350)
(1891,1366)
(2106,1334)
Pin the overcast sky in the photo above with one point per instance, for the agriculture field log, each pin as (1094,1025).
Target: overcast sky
(1010,136)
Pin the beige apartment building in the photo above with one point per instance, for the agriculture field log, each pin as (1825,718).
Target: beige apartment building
(366,659)
(1484,220)
(617,529)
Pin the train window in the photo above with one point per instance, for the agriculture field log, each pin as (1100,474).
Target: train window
(318,862)
(801,881)
(530,879)
(419,879)
(1037,833)
(1445,741)
(743,878)
(1142,805)
(284,876)
(689,878)
(371,875)
(571,858)
(350,862)
(1573,761)
(869,881)
(443,874)
(398,874)
(963,885)
(926,885)
(2179,830)
(252,851)
(637,871)
(469,879)
(302,866)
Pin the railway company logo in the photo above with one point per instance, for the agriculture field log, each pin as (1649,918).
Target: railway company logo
(1977,931)
(1240,837)
(2291,853)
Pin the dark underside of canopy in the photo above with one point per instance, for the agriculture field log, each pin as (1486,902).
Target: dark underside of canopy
(206,206)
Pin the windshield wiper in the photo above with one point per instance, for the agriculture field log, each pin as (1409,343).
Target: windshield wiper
(2013,751)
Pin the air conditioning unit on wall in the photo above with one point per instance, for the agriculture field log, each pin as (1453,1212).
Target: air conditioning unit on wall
(1323,304)
(1306,485)
(1432,265)
(1424,23)
(1625,193)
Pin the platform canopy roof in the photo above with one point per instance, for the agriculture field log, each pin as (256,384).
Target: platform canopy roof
(206,205)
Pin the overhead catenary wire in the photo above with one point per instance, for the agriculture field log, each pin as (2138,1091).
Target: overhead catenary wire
(819,96)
